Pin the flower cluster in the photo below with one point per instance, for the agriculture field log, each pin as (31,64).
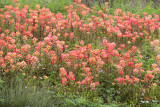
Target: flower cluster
(39,43)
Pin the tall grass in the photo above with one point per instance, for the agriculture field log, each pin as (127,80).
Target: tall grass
(21,96)
(55,6)
(133,6)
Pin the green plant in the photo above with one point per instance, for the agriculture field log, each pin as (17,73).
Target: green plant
(1,87)
(74,101)
(82,57)
(56,6)
(25,95)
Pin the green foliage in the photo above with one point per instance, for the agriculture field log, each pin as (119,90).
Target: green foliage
(5,2)
(148,56)
(56,6)
(25,95)
(1,99)
(71,101)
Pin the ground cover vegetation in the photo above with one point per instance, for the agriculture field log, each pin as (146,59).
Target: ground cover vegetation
(81,57)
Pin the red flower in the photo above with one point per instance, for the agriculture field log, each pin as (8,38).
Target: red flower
(148,77)
(127,56)
(120,81)
(64,81)
(71,76)
(122,46)
(130,64)
(15,1)
(158,58)
(147,98)
(121,73)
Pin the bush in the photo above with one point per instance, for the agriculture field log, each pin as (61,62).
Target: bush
(79,56)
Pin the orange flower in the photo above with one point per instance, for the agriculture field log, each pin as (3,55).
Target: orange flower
(38,6)
(15,1)
(64,81)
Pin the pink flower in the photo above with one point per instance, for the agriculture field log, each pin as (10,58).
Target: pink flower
(92,86)
(64,81)
(154,65)
(63,73)
(71,35)
(76,66)
(15,1)
(121,73)
(158,58)
(156,70)
(126,56)
(53,59)
(87,69)
(136,80)
(3,65)
(83,49)
(122,46)
(96,52)
(148,77)
(122,63)
(82,42)
(73,55)
(25,48)
(105,42)
(88,80)
(71,76)
(76,46)
(147,98)
(34,59)
(1,60)
(1,53)
(92,60)
(64,56)
(130,64)
(89,46)
(100,63)
(134,48)
(104,55)
(47,29)
(120,81)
